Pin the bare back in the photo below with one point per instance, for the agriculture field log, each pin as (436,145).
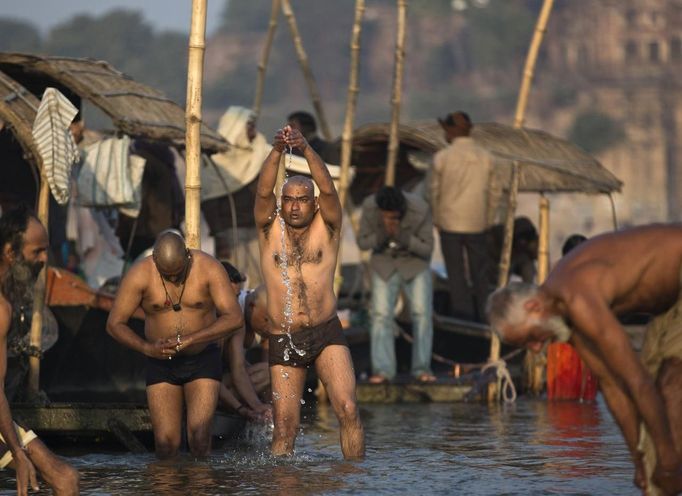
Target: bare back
(311,256)
(636,270)
(197,307)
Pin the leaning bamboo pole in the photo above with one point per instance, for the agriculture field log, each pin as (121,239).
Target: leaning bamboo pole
(36,331)
(347,135)
(393,141)
(305,67)
(519,116)
(265,55)
(195,69)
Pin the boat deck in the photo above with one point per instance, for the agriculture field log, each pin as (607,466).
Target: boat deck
(404,389)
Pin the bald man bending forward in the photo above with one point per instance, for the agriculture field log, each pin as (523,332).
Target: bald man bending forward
(189,306)
(300,296)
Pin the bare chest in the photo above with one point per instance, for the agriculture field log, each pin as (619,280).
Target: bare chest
(173,299)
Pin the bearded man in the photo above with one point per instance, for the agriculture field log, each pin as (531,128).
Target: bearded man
(635,270)
(24,252)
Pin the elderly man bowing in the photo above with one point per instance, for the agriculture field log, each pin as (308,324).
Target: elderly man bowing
(636,270)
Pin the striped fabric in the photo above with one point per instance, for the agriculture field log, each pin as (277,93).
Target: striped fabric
(55,142)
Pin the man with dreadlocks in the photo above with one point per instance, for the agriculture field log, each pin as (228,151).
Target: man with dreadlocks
(189,307)
(23,241)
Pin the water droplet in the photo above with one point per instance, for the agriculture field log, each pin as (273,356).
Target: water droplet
(302,401)
(310,390)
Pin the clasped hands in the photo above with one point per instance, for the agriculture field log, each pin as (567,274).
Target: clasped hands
(289,137)
(167,348)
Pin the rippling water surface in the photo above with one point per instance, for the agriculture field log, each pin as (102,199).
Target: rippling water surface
(531,447)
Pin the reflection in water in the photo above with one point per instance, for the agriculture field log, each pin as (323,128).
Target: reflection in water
(532,447)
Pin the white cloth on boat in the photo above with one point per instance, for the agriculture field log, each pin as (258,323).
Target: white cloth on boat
(96,243)
(54,141)
(230,171)
(110,176)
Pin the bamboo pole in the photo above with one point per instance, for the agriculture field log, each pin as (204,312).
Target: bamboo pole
(393,141)
(535,362)
(195,69)
(543,241)
(531,58)
(305,67)
(347,135)
(505,262)
(36,331)
(519,116)
(265,55)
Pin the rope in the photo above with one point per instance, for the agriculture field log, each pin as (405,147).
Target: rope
(468,366)
(505,385)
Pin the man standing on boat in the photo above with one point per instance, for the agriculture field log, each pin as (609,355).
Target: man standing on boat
(299,245)
(460,202)
(397,227)
(189,307)
(24,253)
(637,270)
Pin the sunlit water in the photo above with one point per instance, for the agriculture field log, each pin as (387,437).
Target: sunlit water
(532,447)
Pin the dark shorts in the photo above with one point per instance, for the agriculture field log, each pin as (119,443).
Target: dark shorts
(311,340)
(182,369)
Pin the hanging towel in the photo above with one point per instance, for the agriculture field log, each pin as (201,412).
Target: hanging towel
(237,167)
(54,141)
(109,177)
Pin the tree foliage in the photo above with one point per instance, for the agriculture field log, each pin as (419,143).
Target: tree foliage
(595,132)
(18,36)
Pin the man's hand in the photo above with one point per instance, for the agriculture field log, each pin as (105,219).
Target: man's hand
(264,412)
(161,349)
(295,139)
(279,143)
(26,473)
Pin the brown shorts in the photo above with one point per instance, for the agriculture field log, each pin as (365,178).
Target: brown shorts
(311,341)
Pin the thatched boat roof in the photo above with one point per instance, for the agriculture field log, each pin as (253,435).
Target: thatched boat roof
(18,108)
(134,108)
(549,164)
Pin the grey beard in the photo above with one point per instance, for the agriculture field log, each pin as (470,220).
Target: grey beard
(18,285)
(556,324)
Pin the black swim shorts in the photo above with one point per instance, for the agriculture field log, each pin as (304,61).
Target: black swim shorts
(182,369)
(311,340)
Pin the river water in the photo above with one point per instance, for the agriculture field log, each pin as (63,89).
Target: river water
(531,447)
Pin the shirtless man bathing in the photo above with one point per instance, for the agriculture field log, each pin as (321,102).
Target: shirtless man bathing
(636,270)
(300,295)
(189,307)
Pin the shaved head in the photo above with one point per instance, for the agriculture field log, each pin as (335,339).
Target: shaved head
(303,181)
(170,255)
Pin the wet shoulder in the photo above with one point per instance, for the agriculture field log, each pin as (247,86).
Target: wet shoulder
(323,233)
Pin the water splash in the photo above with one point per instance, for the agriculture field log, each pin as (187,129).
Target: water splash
(284,271)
